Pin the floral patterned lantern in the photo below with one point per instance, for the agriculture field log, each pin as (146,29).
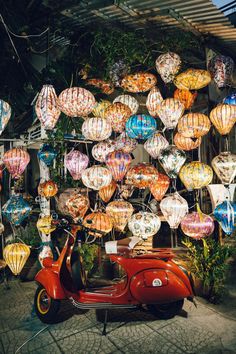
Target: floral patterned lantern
(172,159)
(76,102)
(16,161)
(16,209)
(96,129)
(224,166)
(102,149)
(105,193)
(99,221)
(168,65)
(118,163)
(144,224)
(117,114)
(47,154)
(46,107)
(47,189)
(186,144)
(124,143)
(16,255)
(221,69)
(170,111)
(223,117)
(153,101)
(225,214)
(44,224)
(105,86)
(100,108)
(192,79)
(129,101)
(76,162)
(139,82)
(174,208)
(141,175)
(231,99)
(96,177)
(194,125)
(120,211)
(140,126)
(155,144)
(186,97)
(159,187)
(5,115)
(64,196)
(77,205)
(196,175)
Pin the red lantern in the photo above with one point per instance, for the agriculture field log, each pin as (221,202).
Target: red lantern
(159,187)
(16,161)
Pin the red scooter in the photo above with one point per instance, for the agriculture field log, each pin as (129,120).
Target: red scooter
(152,280)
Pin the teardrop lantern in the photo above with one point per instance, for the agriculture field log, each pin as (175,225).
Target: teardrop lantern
(16,255)
(44,224)
(5,115)
(140,126)
(120,211)
(105,193)
(155,144)
(221,68)
(99,221)
(47,189)
(117,114)
(231,99)
(194,125)
(223,117)
(16,161)
(168,65)
(100,108)
(129,101)
(160,186)
(96,129)
(102,149)
(139,82)
(174,208)
(141,175)
(125,143)
(172,159)
(153,101)
(224,166)
(186,97)
(170,112)
(96,177)
(144,224)
(76,162)
(16,209)
(192,79)
(47,154)
(118,163)
(196,175)
(186,144)
(77,205)
(225,214)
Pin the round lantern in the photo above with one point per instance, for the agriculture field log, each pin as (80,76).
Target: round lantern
(225,214)
(99,221)
(139,82)
(76,162)
(140,126)
(129,101)
(159,187)
(64,196)
(186,144)
(47,189)
(170,111)
(141,175)
(96,177)
(46,107)
(77,205)
(96,129)
(5,115)
(44,225)
(105,193)
(174,208)
(155,144)
(16,209)
(196,175)
(144,224)
(47,154)
(120,211)
(221,69)
(186,97)
(168,65)
(117,114)
(224,166)
(118,163)
(153,101)
(100,108)
(16,255)
(194,125)
(16,161)
(192,79)
(231,99)
(124,143)
(102,149)
(172,159)
(76,102)
(223,117)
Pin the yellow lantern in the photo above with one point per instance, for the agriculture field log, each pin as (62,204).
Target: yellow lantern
(186,144)
(44,225)
(16,255)
(120,211)
(194,125)
(196,175)
(99,109)
(223,117)
(192,79)
(99,221)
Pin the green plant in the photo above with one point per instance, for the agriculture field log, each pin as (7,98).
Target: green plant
(88,253)
(30,235)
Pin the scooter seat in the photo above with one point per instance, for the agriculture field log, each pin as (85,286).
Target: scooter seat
(122,247)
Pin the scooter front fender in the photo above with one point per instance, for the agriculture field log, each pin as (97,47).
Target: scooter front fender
(51,282)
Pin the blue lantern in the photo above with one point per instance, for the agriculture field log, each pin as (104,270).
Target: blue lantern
(140,126)
(231,99)
(16,209)
(47,154)
(5,115)
(225,214)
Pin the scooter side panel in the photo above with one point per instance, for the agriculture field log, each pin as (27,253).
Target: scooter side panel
(51,282)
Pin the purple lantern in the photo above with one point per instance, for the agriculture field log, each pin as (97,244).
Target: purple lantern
(76,162)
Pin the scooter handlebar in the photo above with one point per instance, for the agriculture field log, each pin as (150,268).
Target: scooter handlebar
(63,223)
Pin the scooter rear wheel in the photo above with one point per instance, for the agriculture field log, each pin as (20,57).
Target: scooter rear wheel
(166,311)
(46,308)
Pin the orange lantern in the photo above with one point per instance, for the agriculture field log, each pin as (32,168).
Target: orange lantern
(106,87)
(77,205)
(142,175)
(153,101)
(120,211)
(16,161)
(194,125)
(99,221)
(16,255)
(186,144)
(139,82)
(47,189)
(192,79)
(160,186)
(105,193)
(186,97)
(223,117)
(117,114)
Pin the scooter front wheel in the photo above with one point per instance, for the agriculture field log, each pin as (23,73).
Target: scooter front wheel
(46,308)
(166,311)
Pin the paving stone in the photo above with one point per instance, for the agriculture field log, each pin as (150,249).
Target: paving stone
(16,316)
(14,296)
(49,349)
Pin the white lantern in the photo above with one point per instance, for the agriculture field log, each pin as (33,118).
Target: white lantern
(168,65)
(144,224)
(96,129)
(130,101)
(174,208)
(96,177)
(155,144)
(102,149)
(153,101)
(170,111)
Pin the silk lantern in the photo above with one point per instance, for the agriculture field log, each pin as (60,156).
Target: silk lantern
(168,65)
(186,97)
(129,101)
(47,154)
(153,101)
(231,99)
(187,144)
(118,163)
(96,177)
(16,255)
(76,162)
(100,108)
(76,102)
(221,68)
(65,195)
(196,175)
(144,224)
(159,187)
(102,149)
(155,144)
(223,117)
(194,125)
(16,209)
(174,208)
(120,211)
(16,161)
(141,175)
(139,82)
(99,221)
(225,214)
(224,166)
(125,143)
(46,107)
(140,126)
(117,114)
(192,79)
(5,115)
(170,112)
(105,193)
(44,224)
(77,205)
(172,159)
(47,189)
(96,129)
(105,86)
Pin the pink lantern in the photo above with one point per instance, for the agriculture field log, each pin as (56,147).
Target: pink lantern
(153,101)
(76,162)
(118,163)
(16,161)
(155,144)
(102,149)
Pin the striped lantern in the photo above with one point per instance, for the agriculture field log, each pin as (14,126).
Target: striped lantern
(139,82)
(117,114)
(5,115)
(170,112)
(196,175)
(194,125)
(153,101)
(155,144)
(224,166)
(76,102)
(102,149)
(16,161)
(105,193)
(225,214)
(168,65)
(231,99)
(99,221)
(172,159)
(192,79)
(142,175)
(144,224)
(174,208)
(186,97)
(96,177)
(44,225)
(16,255)
(120,211)
(186,144)
(125,143)
(96,129)
(129,101)
(100,108)
(140,126)
(118,163)
(159,187)
(47,189)
(221,68)
(76,162)
(46,107)
(16,209)
(77,205)
(223,117)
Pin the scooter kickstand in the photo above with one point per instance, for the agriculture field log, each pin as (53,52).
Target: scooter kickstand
(104,332)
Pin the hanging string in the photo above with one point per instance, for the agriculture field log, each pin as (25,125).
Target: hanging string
(26,35)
